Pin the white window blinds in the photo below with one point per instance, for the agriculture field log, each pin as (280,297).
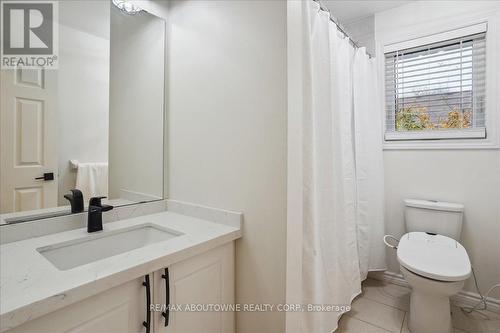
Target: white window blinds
(437,91)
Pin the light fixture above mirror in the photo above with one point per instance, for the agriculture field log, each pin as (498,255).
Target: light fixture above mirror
(127,7)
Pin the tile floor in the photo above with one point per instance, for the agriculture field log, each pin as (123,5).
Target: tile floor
(383,307)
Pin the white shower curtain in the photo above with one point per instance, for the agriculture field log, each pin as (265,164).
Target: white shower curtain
(342,170)
(369,164)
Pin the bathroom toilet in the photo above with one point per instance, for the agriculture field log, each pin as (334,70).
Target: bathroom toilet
(433,262)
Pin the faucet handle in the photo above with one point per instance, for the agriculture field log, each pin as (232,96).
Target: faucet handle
(96,201)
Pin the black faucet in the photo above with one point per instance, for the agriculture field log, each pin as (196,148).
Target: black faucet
(94,222)
(75,199)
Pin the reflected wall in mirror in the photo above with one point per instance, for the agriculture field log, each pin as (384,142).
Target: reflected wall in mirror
(96,123)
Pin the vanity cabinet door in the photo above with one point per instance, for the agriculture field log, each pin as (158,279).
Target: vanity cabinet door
(119,310)
(204,279)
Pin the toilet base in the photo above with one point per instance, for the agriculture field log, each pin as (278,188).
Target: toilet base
(430,310)
(429,313)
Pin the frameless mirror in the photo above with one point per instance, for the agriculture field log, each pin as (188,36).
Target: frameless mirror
(95,124)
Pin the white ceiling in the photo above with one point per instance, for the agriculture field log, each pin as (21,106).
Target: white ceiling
(346,10)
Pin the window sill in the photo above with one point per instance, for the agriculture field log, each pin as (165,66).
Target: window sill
(442,139)
(441,145)
(472,133)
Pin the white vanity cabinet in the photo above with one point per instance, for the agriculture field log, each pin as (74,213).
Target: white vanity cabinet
(201,280)
(207,278)
(120,309)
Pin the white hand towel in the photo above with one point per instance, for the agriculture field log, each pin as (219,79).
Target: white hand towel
(92,180)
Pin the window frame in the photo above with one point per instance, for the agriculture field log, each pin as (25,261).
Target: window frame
(434,32)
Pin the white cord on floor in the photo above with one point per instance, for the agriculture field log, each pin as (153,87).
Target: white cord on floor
(483,298)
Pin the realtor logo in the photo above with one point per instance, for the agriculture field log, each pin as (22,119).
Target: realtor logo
(29,34)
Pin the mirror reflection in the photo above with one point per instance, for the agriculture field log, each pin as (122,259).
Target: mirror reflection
(94,126)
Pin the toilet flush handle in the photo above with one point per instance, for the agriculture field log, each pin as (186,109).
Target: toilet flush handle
(390,245)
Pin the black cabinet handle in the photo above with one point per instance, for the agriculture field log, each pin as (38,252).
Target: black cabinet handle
(166,313)
(147,323)
(46,176)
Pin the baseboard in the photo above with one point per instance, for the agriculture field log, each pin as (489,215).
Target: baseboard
(463,298)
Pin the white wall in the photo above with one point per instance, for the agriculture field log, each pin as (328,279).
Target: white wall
(362,30)
(136,105)
(471,177)
(83,87)
(227,133)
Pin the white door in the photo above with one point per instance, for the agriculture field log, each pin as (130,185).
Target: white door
(28,139)
(204,279)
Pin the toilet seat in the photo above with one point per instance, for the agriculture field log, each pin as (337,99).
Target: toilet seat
(435,257)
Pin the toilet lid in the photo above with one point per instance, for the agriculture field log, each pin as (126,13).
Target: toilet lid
(434,256)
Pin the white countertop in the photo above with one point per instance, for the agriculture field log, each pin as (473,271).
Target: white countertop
(30,286)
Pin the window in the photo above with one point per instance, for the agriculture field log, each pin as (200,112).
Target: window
(437,90)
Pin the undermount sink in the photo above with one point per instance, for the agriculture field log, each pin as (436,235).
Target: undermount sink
(105,244)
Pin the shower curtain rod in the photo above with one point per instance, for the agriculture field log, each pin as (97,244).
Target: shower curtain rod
(339,26)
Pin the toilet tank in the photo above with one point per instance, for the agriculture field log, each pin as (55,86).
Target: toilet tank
(444,218)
